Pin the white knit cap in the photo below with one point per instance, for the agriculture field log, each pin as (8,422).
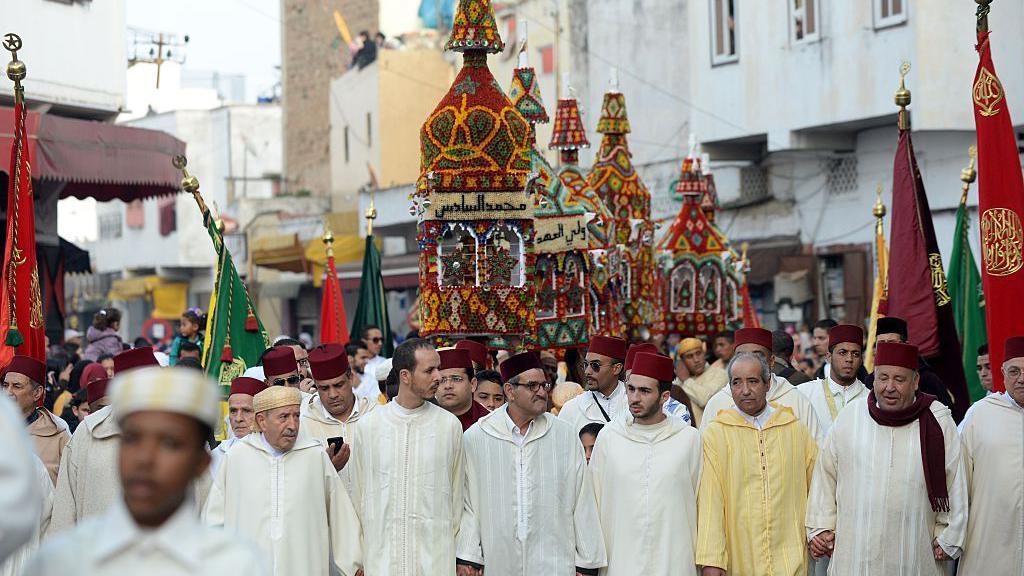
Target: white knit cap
(179,390)
(276,397)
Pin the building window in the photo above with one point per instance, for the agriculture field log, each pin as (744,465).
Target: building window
(723,31)
(110,226)
(834,281)
(841,174)
(135,215)
(346,144)
(167,208)
(890,12)
(804,20)
(754,183)
(547,59)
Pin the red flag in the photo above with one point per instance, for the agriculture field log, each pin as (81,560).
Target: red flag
(22,325)
(333,321)
(917,283)
(1001,206)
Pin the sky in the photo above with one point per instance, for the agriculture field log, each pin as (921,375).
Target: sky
(226,36)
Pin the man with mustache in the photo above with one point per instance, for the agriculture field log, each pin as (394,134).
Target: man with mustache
(164,417)
(240,415)
(605,398)
(546,520)
(281,490)
(889,494)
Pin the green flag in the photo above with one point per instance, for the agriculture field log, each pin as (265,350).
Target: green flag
(968,300)
(372,309)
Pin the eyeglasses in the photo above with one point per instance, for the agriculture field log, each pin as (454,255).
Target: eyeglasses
(453,379)
(1013,373)
(534,386)
(376,340)
(595,365)
(289,381)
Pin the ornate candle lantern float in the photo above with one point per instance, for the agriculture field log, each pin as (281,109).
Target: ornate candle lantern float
(476,213)
(700,284)
(618,184)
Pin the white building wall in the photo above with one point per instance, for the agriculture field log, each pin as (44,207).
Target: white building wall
(75,53)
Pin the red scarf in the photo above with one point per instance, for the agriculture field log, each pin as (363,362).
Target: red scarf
(933,447)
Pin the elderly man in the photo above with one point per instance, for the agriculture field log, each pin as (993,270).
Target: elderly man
(646,473)
(24,382)
(86,483)
(758,461)
(841,388)
(240,416)
(993,453)
(280,490)
(334,409)
(455,394)
(165,416)
(759,341)
(893,329)
(546,521)
(890,494)
(605,398)
(406,473)
(704,380)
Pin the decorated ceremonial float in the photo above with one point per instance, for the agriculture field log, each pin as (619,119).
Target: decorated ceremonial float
(700,276)
(561,242)
(604,314)
(474,208)
(618,185)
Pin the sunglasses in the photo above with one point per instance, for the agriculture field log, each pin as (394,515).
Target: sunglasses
(289,381)
(376,340)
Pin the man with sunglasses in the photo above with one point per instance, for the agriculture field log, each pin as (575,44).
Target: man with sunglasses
(605,398)
(373,338)
(458,382)
(281,369)
(535,459)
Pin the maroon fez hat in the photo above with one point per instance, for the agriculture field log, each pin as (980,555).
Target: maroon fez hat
(93,371)
(96,389)
(327,361)
(247,385)
(28,366)
(1014,348)
(477,352)
(845,333)
(608,346)
(134,358)
(279,360)
(896,354)
(653,366)
(518,364)
(636,349)
(455,358)
(758,336)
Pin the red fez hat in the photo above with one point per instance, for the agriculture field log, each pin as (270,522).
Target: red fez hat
(28,366)
(246,385)
(279,360)
(134,358)
(758,336)
(455,358)
(896,354)
(518,364)
(653,366)
(477,352)
(92,372)
(637,348)
(326,361)
(1014,348)
(608,346)
(845,333)
(96,389)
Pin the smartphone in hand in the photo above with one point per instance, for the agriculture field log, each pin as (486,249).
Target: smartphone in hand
(335,443)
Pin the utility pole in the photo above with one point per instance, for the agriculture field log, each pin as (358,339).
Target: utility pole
(163,47)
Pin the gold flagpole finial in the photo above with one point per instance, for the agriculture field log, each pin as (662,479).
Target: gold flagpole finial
(328,237)
(968,175)
(983,10)
(878,210)
(902,98)
(16,69)
(190,183)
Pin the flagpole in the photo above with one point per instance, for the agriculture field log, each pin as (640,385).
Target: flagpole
(881,275)
(16,71)
(967,176)
(983,10)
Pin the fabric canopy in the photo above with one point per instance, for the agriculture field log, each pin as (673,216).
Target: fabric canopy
(97,160)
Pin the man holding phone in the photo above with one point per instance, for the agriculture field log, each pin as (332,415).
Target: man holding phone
(329,414)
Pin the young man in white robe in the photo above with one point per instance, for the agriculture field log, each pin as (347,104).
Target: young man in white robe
(279,489)
(993,444)
(889,493)
(87,481)
(646,473)
(406,473)
(840,387)
(546,521)
(781,392)
(334,409)
(165,417)
(605,396)
(241,417)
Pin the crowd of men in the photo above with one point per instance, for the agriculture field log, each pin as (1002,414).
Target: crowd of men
(444,461)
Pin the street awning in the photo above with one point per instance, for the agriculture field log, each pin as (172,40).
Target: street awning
(94,159)
(76,260)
